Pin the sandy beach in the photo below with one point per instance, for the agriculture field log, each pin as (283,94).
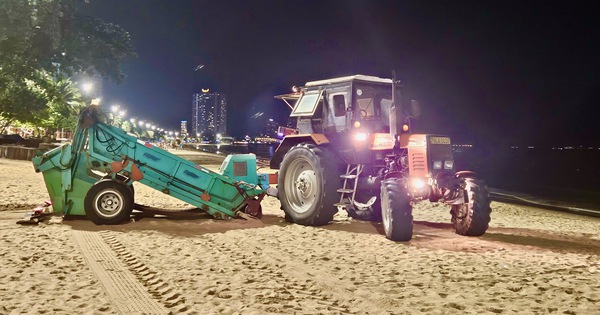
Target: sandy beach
(530,261)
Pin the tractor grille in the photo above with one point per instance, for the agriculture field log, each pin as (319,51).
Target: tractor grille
(418,161)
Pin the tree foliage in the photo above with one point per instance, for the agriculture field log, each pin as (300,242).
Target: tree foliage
(42,43)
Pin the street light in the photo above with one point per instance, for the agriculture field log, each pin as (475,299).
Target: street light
(87,87)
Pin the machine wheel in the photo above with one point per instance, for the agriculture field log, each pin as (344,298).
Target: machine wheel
(124,180)
(108,202)
(396,210)
(373,213)
(308,183)
(472,218)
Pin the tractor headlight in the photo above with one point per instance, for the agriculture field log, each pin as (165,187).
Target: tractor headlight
(417,183)
(360,136)
(448,165)
(437,165)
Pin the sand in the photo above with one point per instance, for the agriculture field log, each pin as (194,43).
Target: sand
(531,261)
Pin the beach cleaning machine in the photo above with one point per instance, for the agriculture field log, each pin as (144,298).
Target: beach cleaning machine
(93,176)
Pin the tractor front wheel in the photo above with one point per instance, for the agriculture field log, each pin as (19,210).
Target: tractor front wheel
(472,218)
(308,183)
(396,210)
(108,202)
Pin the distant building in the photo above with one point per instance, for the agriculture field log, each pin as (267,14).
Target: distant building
(209,113)
(183,128)
(270,128)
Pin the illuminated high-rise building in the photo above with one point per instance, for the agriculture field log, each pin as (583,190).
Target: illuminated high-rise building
(209,113)
(183,128)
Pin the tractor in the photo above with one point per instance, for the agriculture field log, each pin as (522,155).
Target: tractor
(352,149)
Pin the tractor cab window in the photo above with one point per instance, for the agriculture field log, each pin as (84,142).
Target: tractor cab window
(339,105)
(386,105)
(370,103)
(307,104)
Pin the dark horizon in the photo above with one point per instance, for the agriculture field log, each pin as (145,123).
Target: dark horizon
(509,73)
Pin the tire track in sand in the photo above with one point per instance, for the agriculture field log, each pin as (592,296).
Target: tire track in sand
(327,294)
(131,286)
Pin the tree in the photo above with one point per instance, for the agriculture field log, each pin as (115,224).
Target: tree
(41,39)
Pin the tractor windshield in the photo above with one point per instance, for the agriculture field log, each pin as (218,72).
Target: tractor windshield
(373,102)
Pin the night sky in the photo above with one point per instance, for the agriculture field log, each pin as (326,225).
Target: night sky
(499,72)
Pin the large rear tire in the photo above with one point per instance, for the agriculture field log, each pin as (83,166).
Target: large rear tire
(108,202)
(472,218)
(396,210)
(308,183)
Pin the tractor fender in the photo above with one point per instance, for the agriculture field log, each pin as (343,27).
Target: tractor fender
(291,140)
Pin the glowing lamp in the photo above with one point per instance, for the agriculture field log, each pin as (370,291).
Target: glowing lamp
(418,183)
(404,127)
(360,136)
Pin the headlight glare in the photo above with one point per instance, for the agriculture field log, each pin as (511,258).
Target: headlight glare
(417,183)
(360,136)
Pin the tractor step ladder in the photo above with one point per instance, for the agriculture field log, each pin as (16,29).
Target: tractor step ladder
(350,180)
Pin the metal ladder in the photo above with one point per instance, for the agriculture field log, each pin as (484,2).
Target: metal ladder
(350,179)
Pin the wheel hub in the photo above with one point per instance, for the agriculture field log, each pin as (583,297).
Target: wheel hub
(109,202)
(304,184)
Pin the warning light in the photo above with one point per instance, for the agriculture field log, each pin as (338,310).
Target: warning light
(405,128)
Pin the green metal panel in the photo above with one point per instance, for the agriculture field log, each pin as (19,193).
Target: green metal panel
(68,171)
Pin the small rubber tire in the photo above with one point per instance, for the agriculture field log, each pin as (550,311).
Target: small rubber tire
(472,218)
(108,202)
(124,180)
(396,210)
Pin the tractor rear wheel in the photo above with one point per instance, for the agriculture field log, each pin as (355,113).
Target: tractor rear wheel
(308,183)
(396,210)
(108,202)
(472,218)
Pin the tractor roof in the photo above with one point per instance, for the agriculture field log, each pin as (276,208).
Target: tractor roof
(360,77)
